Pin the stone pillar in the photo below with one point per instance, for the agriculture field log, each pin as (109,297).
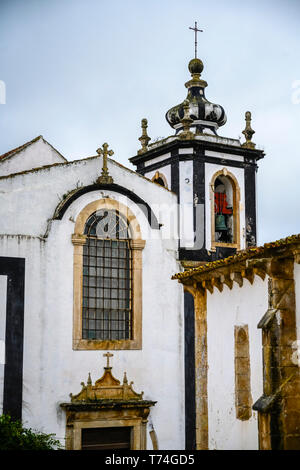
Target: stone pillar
(279,407)
(144,421)
(201,368)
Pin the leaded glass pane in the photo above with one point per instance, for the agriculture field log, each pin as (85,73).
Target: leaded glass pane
(107,285)
(107,224)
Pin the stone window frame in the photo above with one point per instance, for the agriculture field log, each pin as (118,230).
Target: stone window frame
(76,421)
(235,206)
(242,372)
(137,244)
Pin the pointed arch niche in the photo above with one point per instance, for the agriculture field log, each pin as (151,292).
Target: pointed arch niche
(109,278)
(225,210)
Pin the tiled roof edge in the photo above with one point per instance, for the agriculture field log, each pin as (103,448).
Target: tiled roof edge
(241,256)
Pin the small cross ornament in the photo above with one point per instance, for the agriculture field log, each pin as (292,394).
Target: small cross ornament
(105,178)
(108,355)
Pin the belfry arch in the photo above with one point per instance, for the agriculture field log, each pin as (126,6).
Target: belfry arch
(225,210)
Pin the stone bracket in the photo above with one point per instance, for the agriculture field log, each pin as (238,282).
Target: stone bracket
(266,402)
(267,318)
(272,267)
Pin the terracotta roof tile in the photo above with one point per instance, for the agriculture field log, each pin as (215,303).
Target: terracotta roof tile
(241,256)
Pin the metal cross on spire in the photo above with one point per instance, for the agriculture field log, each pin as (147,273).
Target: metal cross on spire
(196,31)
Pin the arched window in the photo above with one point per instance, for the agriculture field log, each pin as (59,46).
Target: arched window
(159,178)
(107,277)
(225,221)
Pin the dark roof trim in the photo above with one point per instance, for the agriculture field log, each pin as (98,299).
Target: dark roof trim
(254,154)
(16,150)
(73,195)
(12,152)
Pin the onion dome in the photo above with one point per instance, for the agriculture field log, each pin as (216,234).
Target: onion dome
(206,117)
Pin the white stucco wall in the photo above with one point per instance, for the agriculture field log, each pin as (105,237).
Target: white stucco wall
(52,369)
(221,155)
(186,203)
(37,154)
(159,159)
(240,306)
(20,193)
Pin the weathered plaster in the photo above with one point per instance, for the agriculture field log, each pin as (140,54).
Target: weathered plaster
(225,310)
(49,298)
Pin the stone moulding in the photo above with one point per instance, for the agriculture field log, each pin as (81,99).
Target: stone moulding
(106,404)
(243,397)
(107,387)
(74,194)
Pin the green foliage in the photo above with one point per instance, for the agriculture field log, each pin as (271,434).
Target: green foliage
(13,436)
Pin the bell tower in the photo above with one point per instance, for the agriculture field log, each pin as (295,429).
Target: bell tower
(214,177)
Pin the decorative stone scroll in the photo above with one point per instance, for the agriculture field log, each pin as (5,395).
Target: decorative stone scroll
(106,388)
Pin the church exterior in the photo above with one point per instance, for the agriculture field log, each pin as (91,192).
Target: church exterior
(136,311)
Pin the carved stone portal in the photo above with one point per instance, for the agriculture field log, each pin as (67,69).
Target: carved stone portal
(107,404)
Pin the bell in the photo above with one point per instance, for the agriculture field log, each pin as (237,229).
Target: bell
(220,223)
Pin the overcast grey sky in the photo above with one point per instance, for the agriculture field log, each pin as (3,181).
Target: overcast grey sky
(82,72)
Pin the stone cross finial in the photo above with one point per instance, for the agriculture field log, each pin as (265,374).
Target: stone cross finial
(196,31)
(105,178)
(107,355)
(248,132)
(144,139)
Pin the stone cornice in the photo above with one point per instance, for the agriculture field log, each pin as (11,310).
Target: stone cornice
(107,404)
(255,154)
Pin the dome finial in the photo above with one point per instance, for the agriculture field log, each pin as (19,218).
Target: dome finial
(198,114)
(248,132)
(144,139)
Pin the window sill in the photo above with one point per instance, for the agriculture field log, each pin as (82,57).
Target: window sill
(224,245)
(93,344)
